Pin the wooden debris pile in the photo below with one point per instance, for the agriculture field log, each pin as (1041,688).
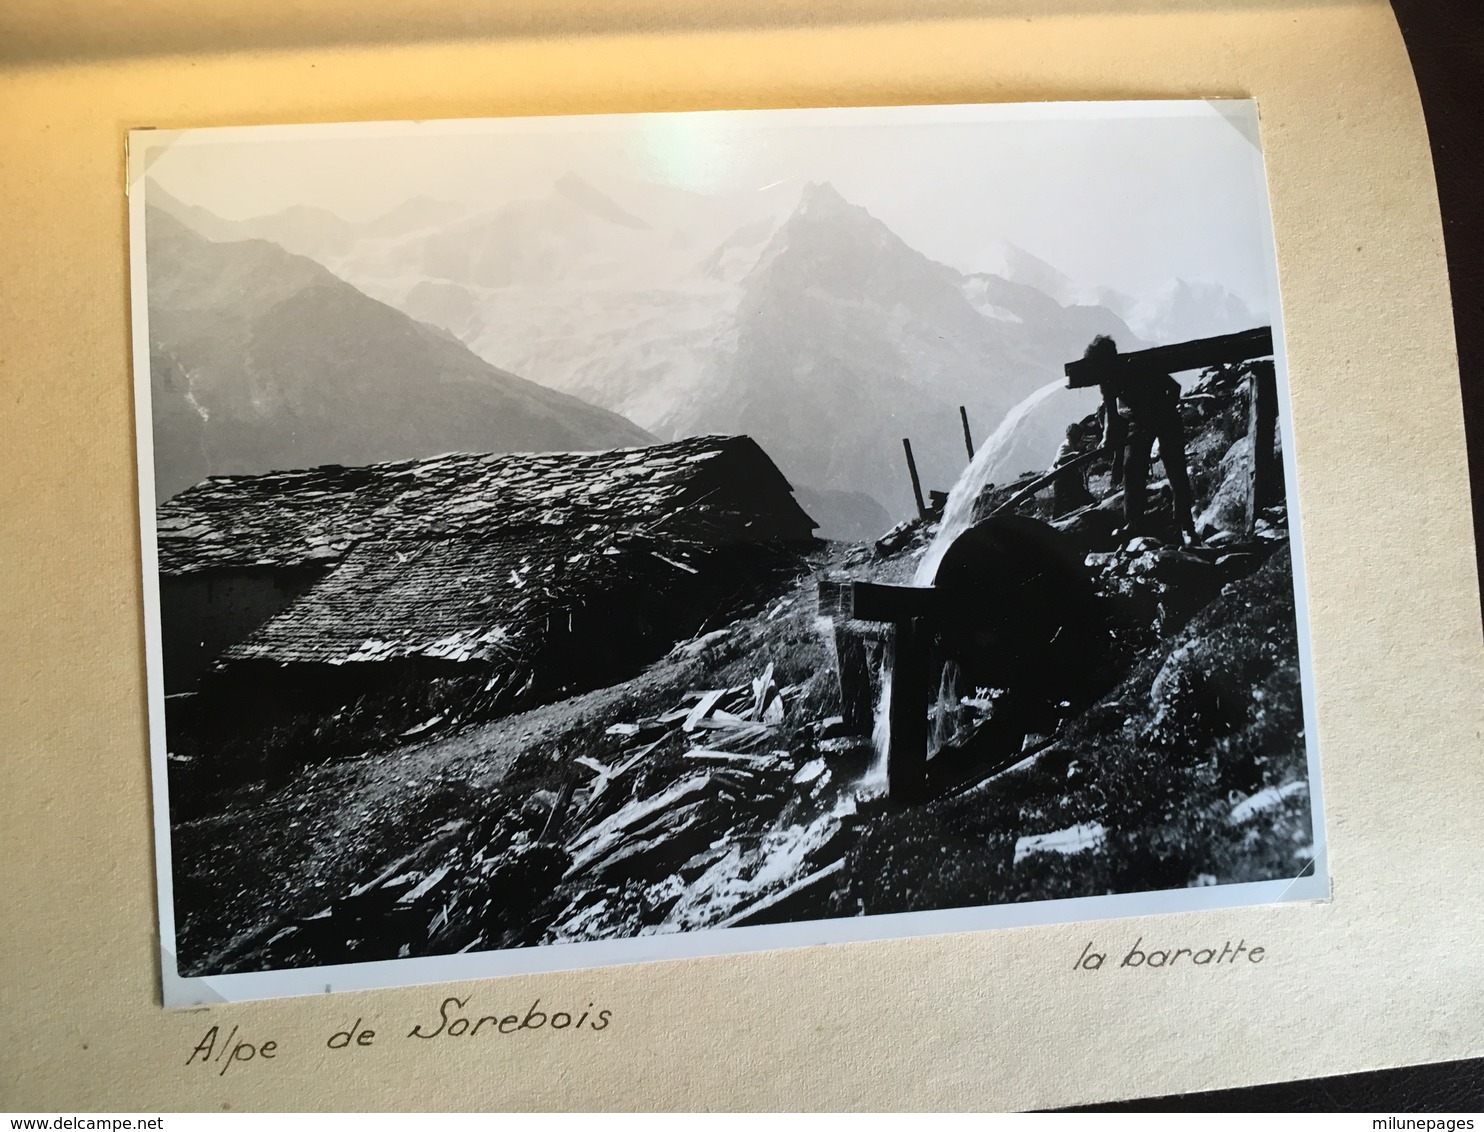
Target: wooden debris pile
(712,809)
(721,812)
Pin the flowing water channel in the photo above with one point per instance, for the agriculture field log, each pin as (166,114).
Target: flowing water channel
(958,516)
(987,464)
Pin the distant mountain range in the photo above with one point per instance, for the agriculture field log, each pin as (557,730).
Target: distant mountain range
(1181,309)
(845,340)
(261,359)
(790,315)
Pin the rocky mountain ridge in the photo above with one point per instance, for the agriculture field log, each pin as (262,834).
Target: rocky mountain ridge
(788,314)
(263,360)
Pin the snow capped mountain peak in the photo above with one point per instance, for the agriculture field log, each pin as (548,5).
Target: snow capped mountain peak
(820,203)
(829,242)
(1012,262)
(580,192)
(416,215)
(761,311)
(1190,308)
(821,196)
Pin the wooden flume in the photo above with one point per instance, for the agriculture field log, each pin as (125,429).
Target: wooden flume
(913,617)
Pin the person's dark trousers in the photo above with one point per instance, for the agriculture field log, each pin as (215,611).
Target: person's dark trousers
(1136,474)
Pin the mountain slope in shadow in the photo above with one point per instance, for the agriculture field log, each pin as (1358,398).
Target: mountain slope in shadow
(262,360)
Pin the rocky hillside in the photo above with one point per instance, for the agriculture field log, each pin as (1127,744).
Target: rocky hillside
(723,787)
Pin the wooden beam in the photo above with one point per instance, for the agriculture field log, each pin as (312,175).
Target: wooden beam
(1201,353)
(855,680)
(875,601)
(963,415)
(1265,473)
(907,719)
(552,829)
(402,864)
(1043,482)
(773,908)
(916,483)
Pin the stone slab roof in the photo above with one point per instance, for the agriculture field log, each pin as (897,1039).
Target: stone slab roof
(499,559)
(315,516)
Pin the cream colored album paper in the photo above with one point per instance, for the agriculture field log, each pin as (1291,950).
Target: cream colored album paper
(1381,973)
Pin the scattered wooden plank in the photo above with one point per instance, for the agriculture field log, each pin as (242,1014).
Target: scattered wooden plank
(763,688)
(444,835)
(773,713)
(681,836)
(807,885)
(558,810)
(702,709)
(710,755)
(642,823)
(636,812)
(671,562)
(602,783)
(746,737)
(428,883)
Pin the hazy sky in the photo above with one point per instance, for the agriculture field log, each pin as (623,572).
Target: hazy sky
(1124,195)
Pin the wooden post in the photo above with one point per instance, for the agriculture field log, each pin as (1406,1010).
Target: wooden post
(855,680)
(550,832)
(916,483)
(907,737)
(1265,483)
(912,610)
(963,415)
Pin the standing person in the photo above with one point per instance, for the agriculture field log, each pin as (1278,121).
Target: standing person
(1141,408)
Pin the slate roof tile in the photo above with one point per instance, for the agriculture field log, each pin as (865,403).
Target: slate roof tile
(475,557)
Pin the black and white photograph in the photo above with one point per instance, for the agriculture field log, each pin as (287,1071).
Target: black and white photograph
(575,541)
